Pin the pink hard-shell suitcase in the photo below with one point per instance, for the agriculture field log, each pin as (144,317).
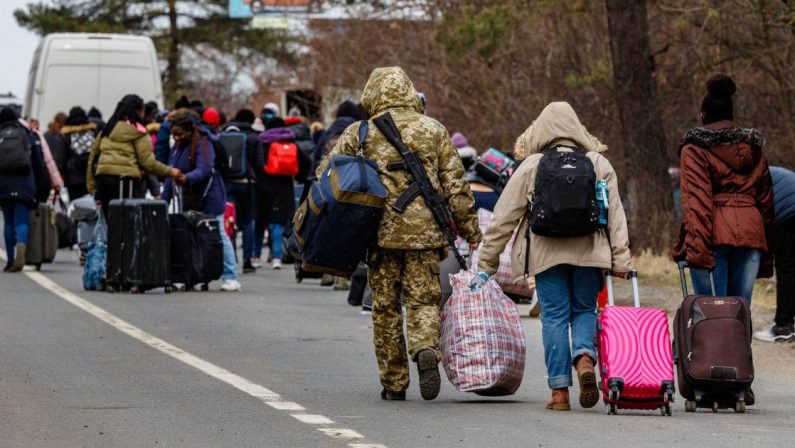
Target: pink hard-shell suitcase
(635,355)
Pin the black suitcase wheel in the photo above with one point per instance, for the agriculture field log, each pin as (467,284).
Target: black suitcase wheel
(168,289)
(691,406)
(136,290)
(739,407)
(665,410)
(110,289)
(38,267)
(715,406)
(206,287)
(298,275)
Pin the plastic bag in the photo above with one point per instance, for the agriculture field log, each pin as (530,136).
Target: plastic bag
(96,260)
(483,344)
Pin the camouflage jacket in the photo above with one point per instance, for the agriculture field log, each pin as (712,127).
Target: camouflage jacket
(390,90)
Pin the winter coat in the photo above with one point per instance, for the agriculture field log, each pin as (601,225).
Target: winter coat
(557,125)
(31,187)
(276,194)
(390,90)
(204,190)
(163,142)
(303,138)
(783,193)
(57,150)
(76,164)
(727,194)
(56,181)
(254,153)
(329,139)
(126,152)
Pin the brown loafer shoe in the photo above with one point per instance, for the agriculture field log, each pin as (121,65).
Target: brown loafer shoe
(589,393)
(559,400)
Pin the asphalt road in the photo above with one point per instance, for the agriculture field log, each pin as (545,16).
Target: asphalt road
(70,379)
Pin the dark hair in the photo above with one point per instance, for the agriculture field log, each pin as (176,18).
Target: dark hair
(245,116)
(7,115)
(182,103)
(348,109)
(126,110)
(94,113)
(197,106)
(184,122)
(77,116)
(717,104)
(275,122)
(150,108)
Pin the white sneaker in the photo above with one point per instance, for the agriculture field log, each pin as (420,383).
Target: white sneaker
(775,334)
(231,286)
(256,262)
(276,263)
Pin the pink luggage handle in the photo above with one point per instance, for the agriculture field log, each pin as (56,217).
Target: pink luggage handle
(633,275)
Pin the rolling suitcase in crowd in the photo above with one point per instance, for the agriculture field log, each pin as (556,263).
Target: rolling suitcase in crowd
(66,226)
(42,237)
(339,219)
(138,245)
(84,213)
(712,345)
(635,358)
(482,340)
(197,252)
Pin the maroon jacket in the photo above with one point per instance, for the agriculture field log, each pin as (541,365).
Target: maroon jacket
(727,194)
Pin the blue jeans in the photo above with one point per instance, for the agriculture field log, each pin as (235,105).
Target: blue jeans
(568,299)
(277,240)
(735,272)
(244,198)
(15,226)
(230,263)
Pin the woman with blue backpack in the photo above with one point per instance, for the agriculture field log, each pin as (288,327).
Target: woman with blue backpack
(565,248)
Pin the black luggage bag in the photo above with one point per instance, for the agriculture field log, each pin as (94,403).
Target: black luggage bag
(712,350)
(197,252)
(138,246)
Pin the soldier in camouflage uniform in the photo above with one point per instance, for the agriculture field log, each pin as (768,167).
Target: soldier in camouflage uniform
(411,244)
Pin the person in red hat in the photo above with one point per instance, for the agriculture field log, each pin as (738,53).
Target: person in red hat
(212,118)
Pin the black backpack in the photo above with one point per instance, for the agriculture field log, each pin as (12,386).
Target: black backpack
(14,149)
(564,199)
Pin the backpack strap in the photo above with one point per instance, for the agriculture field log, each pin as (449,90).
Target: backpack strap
(364,127)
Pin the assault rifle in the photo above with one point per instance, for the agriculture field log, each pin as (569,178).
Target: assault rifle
(421,185)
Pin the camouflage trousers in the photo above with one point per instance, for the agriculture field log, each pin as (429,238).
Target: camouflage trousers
(415,273)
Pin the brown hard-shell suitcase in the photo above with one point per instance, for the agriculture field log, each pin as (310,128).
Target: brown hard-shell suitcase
(712,350)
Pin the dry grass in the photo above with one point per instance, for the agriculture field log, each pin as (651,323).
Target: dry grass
(661,270)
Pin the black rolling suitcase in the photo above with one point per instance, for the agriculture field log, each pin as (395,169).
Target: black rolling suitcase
(197,252)
(138,246)
(712,350)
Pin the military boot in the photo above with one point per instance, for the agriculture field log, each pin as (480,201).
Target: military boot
(393,395)
(19,258)
(430,381)
(589,393)
(559,400)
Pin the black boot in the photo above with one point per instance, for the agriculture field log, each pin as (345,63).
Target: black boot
(393,395)
(248,268)
(430,381)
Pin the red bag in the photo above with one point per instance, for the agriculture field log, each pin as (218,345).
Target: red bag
(282,159)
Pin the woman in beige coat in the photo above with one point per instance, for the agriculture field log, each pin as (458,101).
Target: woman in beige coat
(568,271)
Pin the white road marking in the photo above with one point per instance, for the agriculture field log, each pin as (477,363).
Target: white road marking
(285,406)
(312,419)
(365,445)
(238,382)
(341,433)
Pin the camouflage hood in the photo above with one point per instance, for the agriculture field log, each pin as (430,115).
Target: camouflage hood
(390,88)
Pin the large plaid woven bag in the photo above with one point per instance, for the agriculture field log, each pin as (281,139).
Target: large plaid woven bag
(483,344)
(504,274)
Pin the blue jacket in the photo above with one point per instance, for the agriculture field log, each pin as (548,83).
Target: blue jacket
(204,190)
(32,187)
(783,193)
(162,148)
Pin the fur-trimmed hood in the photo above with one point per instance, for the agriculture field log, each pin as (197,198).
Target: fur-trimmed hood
(740,148)
(79,128)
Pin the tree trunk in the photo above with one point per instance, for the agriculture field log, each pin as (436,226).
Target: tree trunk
(172,72)
(642,149)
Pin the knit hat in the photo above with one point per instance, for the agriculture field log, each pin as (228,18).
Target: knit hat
(459,141)
(717,104)
(211,117)
(272,107)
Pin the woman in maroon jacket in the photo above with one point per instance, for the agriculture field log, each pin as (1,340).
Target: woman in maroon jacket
(727,199)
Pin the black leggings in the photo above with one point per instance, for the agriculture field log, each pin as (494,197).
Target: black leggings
(115,187)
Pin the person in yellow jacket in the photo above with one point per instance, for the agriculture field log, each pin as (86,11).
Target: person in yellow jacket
(568,271)
(122,150)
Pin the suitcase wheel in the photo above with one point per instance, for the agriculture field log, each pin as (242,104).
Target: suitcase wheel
(739,407)
(614,395)
(168,289)
(690,406)
(205,287)
(110,289)
(38,267)
(715,406)
(135,290)
(665,410)
(612,409)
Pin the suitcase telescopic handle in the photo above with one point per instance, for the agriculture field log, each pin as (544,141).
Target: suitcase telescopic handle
(682,265)
(633,275)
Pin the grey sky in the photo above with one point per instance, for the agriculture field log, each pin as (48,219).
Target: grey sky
(16,46)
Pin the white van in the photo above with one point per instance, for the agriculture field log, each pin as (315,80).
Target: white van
(77,69)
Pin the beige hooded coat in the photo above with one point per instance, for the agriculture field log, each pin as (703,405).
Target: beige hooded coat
(557,124)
